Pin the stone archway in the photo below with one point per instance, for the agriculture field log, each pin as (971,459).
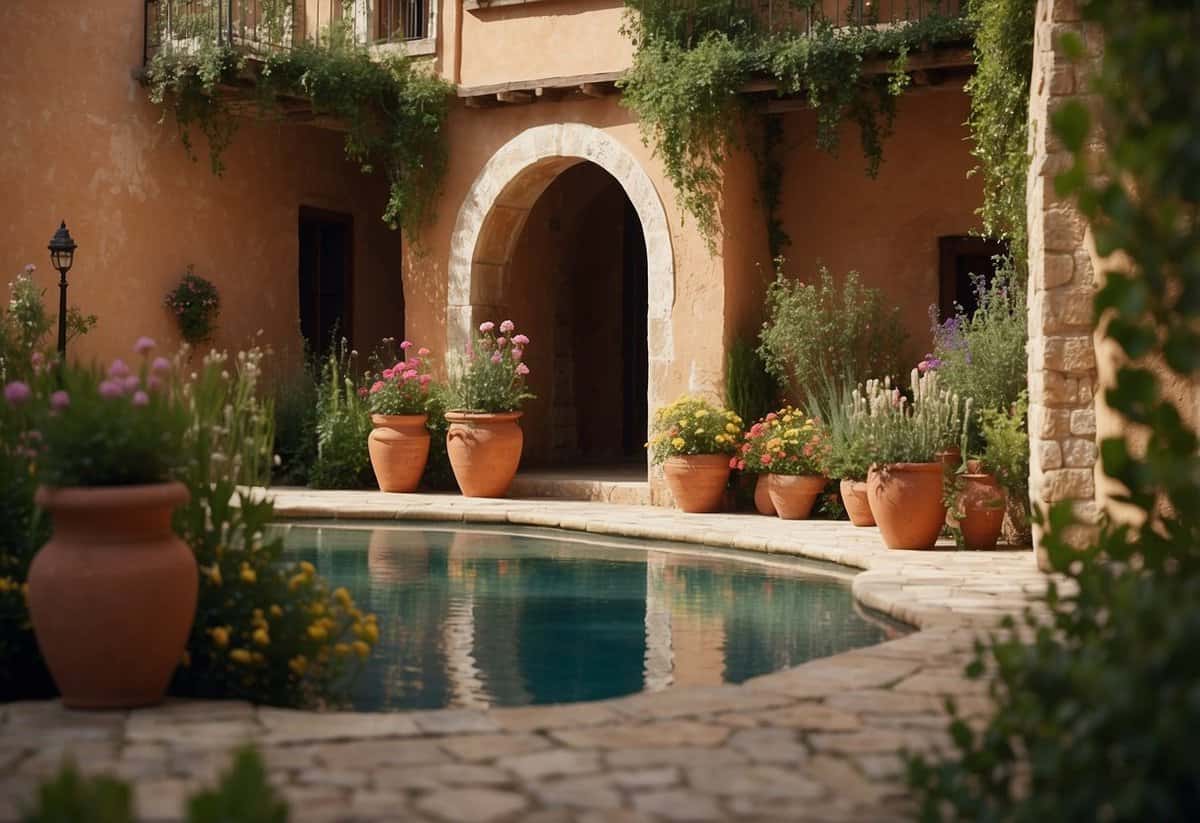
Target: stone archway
(494,212)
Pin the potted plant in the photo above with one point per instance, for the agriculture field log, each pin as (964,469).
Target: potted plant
(695,442)
(399,443)
(793,451)
(850,461)
(195,303)
(112,595)
(905,486)
(484,440)
(749,459)
(982,492)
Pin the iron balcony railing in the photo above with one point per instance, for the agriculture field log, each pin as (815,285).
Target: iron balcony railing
(777,16)
(268,25)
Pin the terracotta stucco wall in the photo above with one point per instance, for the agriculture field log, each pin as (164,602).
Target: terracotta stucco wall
(78,140)
(886,228)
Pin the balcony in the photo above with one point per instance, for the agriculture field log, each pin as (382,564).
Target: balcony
(783,16)
(265,26)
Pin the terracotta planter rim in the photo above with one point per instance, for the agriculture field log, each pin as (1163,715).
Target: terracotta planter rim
(707,457)
(397,419)
(984,476)
(143,495)
(469,416)
(932,466)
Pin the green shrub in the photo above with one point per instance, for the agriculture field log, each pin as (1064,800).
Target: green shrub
(244,795)
(898,430)
(749,389)
(72,798)
(438,475)
(1006,454)
(343,425)
(828,331)
(195,304)
(295,426)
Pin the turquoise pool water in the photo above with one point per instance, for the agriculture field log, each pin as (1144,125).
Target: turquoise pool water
(516,617)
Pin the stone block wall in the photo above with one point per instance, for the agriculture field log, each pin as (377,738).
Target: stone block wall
(1062,274)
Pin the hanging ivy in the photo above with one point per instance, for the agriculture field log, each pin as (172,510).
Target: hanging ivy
(690,66)
(393,109)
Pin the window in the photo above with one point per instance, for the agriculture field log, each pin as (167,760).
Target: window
(964,258)
(402,20)
(326,270)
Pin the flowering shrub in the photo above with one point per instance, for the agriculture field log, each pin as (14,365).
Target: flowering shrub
(402,388)
(784,442)
(900,431)
(24,327)
(493,377)
(692,425)
(343,425)
(195,304)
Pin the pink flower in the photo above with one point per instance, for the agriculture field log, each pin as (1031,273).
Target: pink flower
(506,327)
(424,352)
(30,268)
(470,352)
(376,386)
(486,326)
(17,392)
(733,462)
(60,400)
(154,382)
(426,379)
(118,369)
(140,398)
(143,345)
(766,459)
(406,345)
(517,354)
(771,416)
(522,369)
(500,341)
(495,357)
(362,391)
(36,359)
(130,382)
(111,389)
(410,374)
(160,364)
(520,340)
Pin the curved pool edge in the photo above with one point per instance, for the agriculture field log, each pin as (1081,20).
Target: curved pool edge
(817,741)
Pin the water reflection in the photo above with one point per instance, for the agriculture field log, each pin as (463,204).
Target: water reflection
(474,619)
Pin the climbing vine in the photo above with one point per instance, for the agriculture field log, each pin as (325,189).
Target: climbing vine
(393,110)
(999,92)
(691,64)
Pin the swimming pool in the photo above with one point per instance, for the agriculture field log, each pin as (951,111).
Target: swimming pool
(476,617)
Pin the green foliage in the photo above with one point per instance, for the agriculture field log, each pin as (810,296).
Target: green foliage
(492,378)
(343,425)
(394,110)
(999,91)
(832,402)
(73,798)
(438,474)
(24,328)
(295,425)
(1006,450)
(749,389)
(1096,699)
(983,356)
(244,795)
(828,331)
(691,63)
(195,304)
(899,431)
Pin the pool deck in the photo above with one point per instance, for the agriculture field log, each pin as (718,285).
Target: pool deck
(817,742)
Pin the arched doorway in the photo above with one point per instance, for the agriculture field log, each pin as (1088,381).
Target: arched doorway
(563,233)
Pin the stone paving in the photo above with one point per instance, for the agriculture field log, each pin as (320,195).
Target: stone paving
(820,742)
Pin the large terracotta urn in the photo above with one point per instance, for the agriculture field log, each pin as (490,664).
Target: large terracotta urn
(981,503)
(399,447)
(907,501)
(795,495)
(762,495)
(484,450)
(697,481)
(858,507)
(112,595)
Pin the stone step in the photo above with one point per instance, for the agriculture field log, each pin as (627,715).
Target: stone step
(605,486)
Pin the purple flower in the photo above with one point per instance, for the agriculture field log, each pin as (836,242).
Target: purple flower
(140,398)
(17,392)
(111,389)
(160,364)
(143,345)
(154,382)
(118,369)
(130,382)
(60,400)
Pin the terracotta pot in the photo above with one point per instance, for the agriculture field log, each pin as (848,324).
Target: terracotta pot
(982,502)
(795,495)
(906,499)
(697,481)
(399,447)
(112,595)
(854,498)
(950,457)
(762,496)
(484,450)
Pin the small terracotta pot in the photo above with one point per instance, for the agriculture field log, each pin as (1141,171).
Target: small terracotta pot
(906,499)
(399,447)
(112,595)
(982,502)
(697,481)
(484,450)
(762,496)
(795,495)
(854,498)
(951,457)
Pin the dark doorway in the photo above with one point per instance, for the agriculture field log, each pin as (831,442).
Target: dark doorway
(636,356)
(964,259)
(326,269)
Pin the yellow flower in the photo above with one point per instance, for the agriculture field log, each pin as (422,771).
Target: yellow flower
(361,649)
(341,649)
(297,581)
(261,637)
(240,656)
(677,442)
(317,609)
(317,632)
(732,429)
(247,574)
(720,438)
(220,636)
(214,574)
(372,632)
(307,568)
(342,596)
(298,664)
(701,413)
(276,611)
